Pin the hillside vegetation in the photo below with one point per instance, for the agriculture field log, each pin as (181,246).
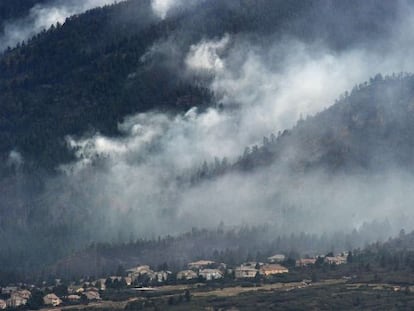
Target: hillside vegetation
(88,73)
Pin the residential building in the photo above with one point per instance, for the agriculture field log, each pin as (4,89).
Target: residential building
(18,298)
(201,264)
(143,269)
(8,290)
(77,289)
(92,295)
(337,260)
(52,300)
(303,262)
(270,269)
(160,276)
(3,304)
(74,298)
(187,275)
(15,302)
(135,273)
(254,264)
(24,293)
(211,274)
(245,272)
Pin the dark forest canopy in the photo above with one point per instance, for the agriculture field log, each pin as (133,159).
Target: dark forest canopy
(87,74)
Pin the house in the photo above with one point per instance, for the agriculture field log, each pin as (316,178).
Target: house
(337,260)
(18,298)
(211,274)
(16,301)
(51,300)
(245,272)
(201,264)
(135,273)
(24,293)
(74,298)
(143,269)
(92,295)
(276,258)
(8,290)
(128,280)
(187,275)
(160,276)
(305,262)
(3,304)
(77,289)
(270,269)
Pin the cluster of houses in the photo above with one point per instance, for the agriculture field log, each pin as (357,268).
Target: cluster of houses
(199,270)
(330,260)
(19,297)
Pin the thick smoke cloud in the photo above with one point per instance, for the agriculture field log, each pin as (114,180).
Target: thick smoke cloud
(131,184)
(43,16)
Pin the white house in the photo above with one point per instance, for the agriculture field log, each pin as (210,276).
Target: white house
(337,260)
(92,295)
(211,274)
(271,269)
(51,300)
(18,298)
(245,272)
(136,272)
(187,275)
(160,276)
(8,290)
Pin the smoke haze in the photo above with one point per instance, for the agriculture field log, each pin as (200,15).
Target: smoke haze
(42,17)
(136,184)
(264,87)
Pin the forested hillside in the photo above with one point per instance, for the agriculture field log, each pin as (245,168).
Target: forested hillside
(367,129)
(89,73)
(106,118)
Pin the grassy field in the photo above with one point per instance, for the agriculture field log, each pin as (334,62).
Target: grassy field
(325,295)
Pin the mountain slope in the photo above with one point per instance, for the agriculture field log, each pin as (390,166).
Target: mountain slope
(369,129)
(88,73)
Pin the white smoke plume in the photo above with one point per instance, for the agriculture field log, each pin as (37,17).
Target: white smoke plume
(43,16)
(205,55)
(162,8)
(271,86)
(131,181)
